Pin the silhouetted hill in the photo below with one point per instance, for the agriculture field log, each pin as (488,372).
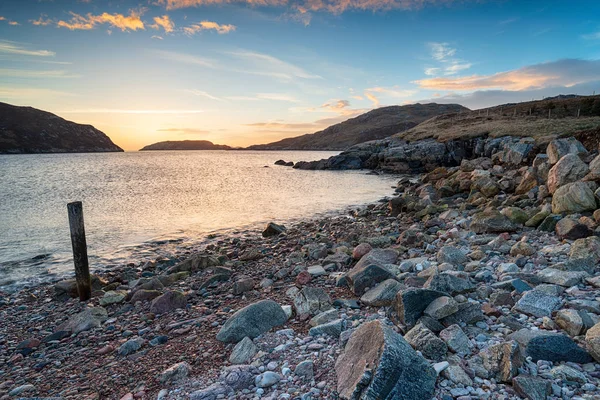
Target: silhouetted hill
(185,145)
(375,124)
(29,130)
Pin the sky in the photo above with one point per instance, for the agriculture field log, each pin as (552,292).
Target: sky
(242,72)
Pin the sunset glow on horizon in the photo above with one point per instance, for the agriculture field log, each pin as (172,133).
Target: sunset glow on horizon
(242,72)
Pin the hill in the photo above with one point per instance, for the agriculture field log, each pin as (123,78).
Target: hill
(544,120)
(29,130)
(373,125)
(185,145)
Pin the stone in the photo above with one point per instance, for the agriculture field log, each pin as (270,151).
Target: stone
(266,379)
(89,318)
(537,219)
(144,295)
(175,373)
(559,148)
(570,321)
(243,285)
(528,182)
(377,363)
(411,303)
(456,340)
(316,270)
(324,317)
(568,169)
(441,307)
(238,377)
(502,361)
(383,294)
(567,374)
(452,255)
(305,369)
(457,375)
(333,329)
(371,270)
(586,248)
(491,221)
(425,341)
(572,198)
(522,249)
(131,346)
(549,223)
(311,301)
(537,304)
(361,250)
(468,313)
(592,339)
(273,229)
(568,228)
(251,321)
(243,351)
(449,283)
(167,302)
(215,391)
(532,387)
(112,297)
(19,390)
(515,214)
(554,347)
(303,278)
(562,278)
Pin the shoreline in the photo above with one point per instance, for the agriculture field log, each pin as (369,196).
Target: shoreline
(480,290)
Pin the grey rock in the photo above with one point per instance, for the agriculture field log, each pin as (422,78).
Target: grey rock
(238,377)
(252,321)
(243,351)
(333,328)
(378,363)
(448,282)
(441,307)
(452,255)
(325,317)
(502,361)
(537,304)
(383,294)
(89,318)
(273,229)
(175,372)
(491,221)
(131,346)
(243,285)
(573,198)
(370,270)
(532,387)
(559,148)
(468,313)
(411,303)
(267,379)
(562,278)
(167,302)
(568,169)
(213,392)
(305,369)
(586,248)
(456,340)
(592,339)
(312,301)
(555,347)
(422,339)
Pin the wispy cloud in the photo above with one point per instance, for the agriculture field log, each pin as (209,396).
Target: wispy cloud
(592,36)
(2,18)
(43,20)
(125,111)
(163,22)
(131,22)
(24,93)
(157,37)
(185,58)
(509,21)
(187,131)
(392,92)
(20,73)
(207,26)
(13,23)
(203,94)
(268,65)
(14,48)
(277,97)
(444,54)
(373,99)
(567,72)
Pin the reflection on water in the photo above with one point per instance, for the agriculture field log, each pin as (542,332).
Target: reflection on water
(131,198)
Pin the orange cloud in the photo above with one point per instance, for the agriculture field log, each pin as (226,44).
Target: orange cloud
(43,20)
(164,22)
(208,25)
(2,18)
(13,23)
(174,4)
(373,98)
(120,21)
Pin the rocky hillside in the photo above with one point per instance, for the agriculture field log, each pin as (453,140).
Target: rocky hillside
(185,145)
(447,139)
(29,130)
(373,125)
(477,281)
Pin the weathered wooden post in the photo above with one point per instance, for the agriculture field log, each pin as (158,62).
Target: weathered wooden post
(80,258)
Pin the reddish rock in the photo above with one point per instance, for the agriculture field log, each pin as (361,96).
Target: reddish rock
(105,350)
(303,278)
(361,250)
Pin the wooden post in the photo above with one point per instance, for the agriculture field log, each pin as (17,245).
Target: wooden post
(578,111)
(80,258)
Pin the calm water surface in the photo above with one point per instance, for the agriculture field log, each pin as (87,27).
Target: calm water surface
(133,199)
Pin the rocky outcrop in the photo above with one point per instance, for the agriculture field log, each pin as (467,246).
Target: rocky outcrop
(29,130)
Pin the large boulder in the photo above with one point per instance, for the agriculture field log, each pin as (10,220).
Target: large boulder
(452,255)
(502,361)
(425,341)
(492,221)
(586,248)
(273,229)
(568,169)
(571,229)
(252,321)
(573,198)
(537,303)
(383,294)
(449,283)
(378,363)
(592,339)
(371,270)
(559,148)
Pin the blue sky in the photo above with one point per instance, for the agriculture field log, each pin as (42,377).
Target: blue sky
(242,72)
